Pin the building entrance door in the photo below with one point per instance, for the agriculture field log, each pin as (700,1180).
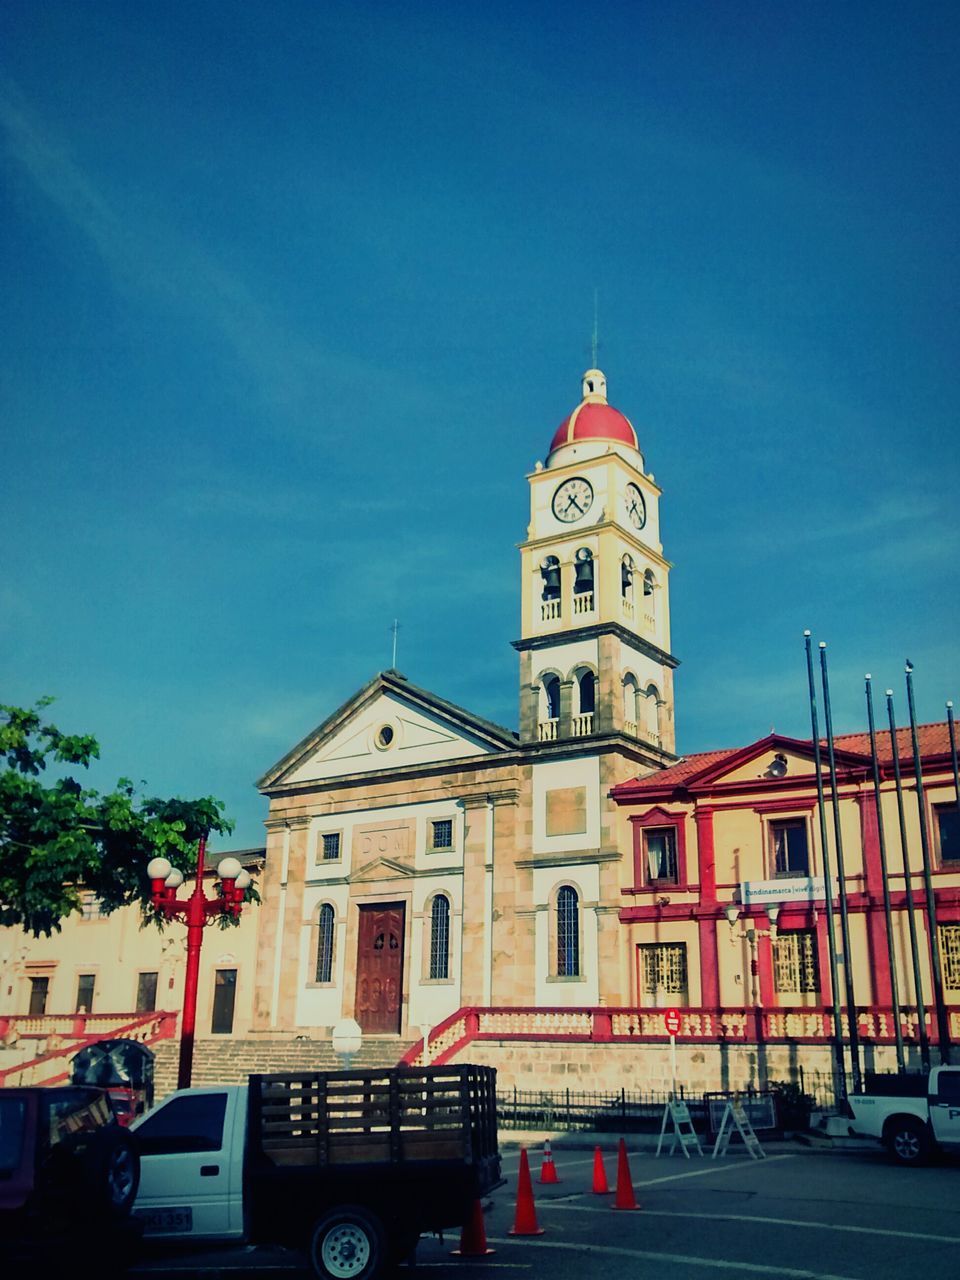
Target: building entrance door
(380,968)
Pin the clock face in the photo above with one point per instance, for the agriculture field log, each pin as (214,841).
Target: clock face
(572,500)
(636,507)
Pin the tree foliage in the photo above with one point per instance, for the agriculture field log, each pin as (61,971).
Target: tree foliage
(59,838)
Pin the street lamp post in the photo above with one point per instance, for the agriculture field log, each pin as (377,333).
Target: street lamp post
(196,911)
(752,935)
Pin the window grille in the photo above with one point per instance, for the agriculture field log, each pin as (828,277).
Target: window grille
(795,966)
(440,938)
(325,944)
(443,834)
(663,969)
(950,948)
(331,847)
(568,933)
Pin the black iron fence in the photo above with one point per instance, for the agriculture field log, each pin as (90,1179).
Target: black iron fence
(633,1111)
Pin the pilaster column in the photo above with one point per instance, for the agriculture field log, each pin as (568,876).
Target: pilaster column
(709,963)
(876,920)
(565,727)
(270,920)
(763,959)
(706,857)
(476,836)
(292,924)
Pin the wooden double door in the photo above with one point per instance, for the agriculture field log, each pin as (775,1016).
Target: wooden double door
(380,968)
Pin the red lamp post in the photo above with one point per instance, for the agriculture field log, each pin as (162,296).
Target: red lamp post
(196,911)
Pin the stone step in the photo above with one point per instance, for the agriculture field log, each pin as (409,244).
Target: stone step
(230,1062)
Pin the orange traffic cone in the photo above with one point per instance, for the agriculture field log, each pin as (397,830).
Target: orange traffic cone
(600,1187)
(548,1170)
(625,1197)
(473,1237)
(525,1222)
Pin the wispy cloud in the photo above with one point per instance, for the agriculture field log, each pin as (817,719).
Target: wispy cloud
(146,255)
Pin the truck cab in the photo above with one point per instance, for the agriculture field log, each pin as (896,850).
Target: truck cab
(192,1155)
(914,1118)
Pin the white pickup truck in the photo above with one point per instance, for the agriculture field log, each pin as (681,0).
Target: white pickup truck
(923,1118)
(351,1167)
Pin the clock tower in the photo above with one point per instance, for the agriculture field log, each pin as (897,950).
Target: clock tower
(595,657)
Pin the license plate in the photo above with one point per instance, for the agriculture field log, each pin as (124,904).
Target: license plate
(158,1222)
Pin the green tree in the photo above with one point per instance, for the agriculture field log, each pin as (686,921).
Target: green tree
(59,838)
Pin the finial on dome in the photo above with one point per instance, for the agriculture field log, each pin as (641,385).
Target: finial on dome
(595,387)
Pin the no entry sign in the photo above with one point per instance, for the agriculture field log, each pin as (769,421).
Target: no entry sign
(671,1020)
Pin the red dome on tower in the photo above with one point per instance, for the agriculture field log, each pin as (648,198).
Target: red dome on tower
(594,419)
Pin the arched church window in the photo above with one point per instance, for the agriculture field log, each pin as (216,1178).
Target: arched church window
(551,693)
(440,937)
(651,713)
(325,928)
(550,578)
(568,932)
(630,692)
(588,692)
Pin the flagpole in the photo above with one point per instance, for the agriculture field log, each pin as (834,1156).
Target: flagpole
(840,1069)
(911,908)
(943,1026)
(887,914)
(841,877)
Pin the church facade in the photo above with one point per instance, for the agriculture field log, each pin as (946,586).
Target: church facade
(420,859)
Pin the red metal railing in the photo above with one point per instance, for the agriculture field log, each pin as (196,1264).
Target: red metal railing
(63,1035)
(632,1026)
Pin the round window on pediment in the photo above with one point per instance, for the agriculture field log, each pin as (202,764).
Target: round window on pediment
(384,737)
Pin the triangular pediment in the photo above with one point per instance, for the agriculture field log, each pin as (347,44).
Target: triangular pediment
(381,869)
(775,758)
(389,725)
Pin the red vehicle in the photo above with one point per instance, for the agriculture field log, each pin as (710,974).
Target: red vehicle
(65,1164)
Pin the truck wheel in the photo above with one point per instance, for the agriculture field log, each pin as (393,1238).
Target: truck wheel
(907,1140)
(111,1172)
(348,1243)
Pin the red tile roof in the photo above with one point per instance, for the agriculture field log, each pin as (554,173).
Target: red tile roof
(934,740)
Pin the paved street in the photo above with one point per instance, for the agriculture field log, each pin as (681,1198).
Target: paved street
(799,1213)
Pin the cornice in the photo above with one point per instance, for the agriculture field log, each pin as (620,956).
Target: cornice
(594,631)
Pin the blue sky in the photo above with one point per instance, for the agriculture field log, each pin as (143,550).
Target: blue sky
(295,295)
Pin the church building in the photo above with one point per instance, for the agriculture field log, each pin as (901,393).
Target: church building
(421,859)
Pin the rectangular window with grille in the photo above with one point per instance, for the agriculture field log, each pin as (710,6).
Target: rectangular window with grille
(788,842)
(795,967)
(660,846)
(950,951)
(442,834)
(663,970)
(330,846)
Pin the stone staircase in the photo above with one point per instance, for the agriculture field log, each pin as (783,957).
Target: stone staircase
(230,1061)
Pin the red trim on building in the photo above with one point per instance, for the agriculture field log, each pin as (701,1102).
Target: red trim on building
(764,963)
(706,855)
(709,962)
